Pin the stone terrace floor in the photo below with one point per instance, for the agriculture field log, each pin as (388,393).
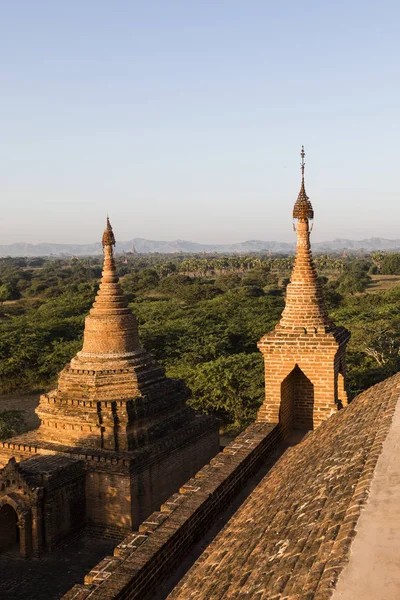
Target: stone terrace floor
(49,577)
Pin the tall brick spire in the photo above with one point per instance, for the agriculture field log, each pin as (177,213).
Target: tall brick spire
(110,328)
(113,394)
(304,356)
(304,302)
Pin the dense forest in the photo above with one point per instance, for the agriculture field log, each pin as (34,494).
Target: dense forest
(201,316)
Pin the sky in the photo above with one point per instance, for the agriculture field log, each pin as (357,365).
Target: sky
(184,119)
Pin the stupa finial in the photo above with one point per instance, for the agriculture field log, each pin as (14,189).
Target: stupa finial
(304,301)
(303,164)
(303,208)
(110,327)
(108,238)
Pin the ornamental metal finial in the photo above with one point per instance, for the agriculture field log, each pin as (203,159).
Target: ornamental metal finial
(303,208)
(303,164)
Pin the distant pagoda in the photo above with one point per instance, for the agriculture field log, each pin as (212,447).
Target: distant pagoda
(133,249)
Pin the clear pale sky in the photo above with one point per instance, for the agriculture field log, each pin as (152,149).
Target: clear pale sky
(185,118)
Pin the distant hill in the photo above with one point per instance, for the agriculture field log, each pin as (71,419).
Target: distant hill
(150,246)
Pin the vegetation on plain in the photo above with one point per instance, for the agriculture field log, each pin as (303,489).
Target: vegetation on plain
(201,316)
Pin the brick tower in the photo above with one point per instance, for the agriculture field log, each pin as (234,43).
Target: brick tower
(116,436)
(305,355)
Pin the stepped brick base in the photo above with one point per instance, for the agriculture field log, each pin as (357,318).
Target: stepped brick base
(117,491)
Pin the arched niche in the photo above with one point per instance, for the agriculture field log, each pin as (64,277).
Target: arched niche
(297,401)
(9,531)
(15,525)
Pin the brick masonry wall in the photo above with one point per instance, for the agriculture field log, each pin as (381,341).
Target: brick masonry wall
(286,411)
(122,501)
(122,490)
(321,358)
(146,558)
(64,511)
(108,499)
(150,487)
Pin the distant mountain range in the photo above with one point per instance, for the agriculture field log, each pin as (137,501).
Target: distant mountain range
(150,246)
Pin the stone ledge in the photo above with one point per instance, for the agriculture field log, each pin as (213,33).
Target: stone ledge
(27,445)
(144,559)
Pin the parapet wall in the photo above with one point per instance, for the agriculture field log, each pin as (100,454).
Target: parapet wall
(145,558)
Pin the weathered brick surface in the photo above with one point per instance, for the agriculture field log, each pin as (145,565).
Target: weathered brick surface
(148,556)
(305,352)
(128,425)
(113,394)
(291,538)
(47,494)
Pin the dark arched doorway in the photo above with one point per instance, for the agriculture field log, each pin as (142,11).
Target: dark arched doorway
(297,401)
(9,531)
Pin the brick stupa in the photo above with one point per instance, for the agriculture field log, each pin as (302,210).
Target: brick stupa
(305,355)
(114,412)
(93,403)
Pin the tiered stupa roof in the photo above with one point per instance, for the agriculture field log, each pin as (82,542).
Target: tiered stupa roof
(111,333)
(305,307)
(113,394)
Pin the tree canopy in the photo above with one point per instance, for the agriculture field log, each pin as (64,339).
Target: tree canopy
(201,316)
